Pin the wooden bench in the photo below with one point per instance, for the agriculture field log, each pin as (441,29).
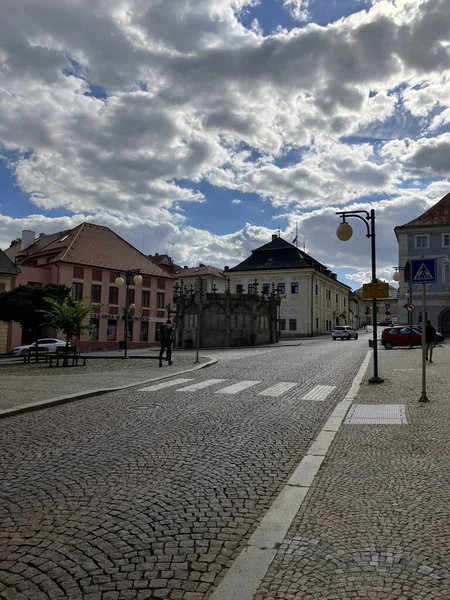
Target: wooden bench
(30,354)
(64,355)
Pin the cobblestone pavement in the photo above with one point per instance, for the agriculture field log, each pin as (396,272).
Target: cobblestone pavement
(34,382)
(376,524)
(137,495)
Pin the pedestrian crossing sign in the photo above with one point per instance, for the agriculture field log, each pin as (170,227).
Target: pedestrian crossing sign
(423,270)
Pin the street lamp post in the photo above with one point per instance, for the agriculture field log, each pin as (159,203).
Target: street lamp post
(344,232)
(126,278)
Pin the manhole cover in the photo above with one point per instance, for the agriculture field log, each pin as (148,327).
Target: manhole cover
(377,414)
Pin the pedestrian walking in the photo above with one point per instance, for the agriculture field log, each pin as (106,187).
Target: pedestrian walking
(166,342)
(430,340)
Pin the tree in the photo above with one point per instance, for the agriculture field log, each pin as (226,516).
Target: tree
(69,316)
(26,304)
(15,241)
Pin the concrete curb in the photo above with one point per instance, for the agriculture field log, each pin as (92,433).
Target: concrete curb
(249,569)
(24,408)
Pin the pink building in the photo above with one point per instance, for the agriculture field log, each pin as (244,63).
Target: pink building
(88,259)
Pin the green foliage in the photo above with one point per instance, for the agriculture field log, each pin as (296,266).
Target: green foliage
(69,316)
(26,304)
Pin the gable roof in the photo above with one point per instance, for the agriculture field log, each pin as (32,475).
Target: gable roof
(277,254)
(438,214)
(199,272)
(280,254)
(92,246)
(7,267)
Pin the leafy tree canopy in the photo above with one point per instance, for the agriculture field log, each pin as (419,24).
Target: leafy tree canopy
(26,304)
(69,316)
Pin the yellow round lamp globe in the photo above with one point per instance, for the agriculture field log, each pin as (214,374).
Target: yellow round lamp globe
(344,232)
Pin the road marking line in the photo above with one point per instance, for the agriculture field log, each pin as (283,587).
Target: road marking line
(164,384)
(278,389)
(201,385)
(237,387)
(319,393)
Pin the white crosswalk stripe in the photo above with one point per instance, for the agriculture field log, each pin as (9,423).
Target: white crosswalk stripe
(277,389)
(319,393)
(200,386)
(165,384)
(237,387)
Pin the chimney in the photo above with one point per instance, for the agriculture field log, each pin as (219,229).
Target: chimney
(274,237)
(156,253)
(201,265)
(28,238)
(185,267)
(226,268)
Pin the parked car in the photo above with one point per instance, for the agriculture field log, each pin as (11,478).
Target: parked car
(344,332)
(50,343)
(401,336)
(439,336)
(384,323)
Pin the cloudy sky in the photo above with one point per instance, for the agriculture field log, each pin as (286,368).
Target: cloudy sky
(199,127)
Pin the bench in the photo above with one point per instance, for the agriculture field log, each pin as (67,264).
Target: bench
(30,354)
(64,355)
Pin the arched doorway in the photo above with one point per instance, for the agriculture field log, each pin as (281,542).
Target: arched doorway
(444,322)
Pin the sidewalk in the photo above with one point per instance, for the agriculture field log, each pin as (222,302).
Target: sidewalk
(376,523)
(24,384)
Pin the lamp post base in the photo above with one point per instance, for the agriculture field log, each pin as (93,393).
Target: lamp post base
(376,380)
(423,397)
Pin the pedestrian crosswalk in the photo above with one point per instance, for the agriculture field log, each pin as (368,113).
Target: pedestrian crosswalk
(317,393)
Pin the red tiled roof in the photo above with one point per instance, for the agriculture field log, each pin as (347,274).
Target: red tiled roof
(199,272)
(438,214)
(93,246)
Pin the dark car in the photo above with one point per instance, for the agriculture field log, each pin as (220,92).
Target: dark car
(384,323)
(401,335)
(439,336)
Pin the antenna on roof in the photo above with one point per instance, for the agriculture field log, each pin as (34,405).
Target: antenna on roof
(279,232)
(295,240)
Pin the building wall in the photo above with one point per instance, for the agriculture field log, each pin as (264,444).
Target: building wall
(109,315)
(312,310)
(209,282)
(7,282)
(437,294)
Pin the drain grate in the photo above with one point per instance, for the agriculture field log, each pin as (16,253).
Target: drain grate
(377,414)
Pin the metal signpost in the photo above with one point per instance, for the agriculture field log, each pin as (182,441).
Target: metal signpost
(423,271)
(200,299)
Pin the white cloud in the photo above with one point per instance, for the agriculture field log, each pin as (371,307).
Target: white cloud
(186,93)
(236,201)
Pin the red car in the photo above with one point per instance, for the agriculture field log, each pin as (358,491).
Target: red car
(401,336)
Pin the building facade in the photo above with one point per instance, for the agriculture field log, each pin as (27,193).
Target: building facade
(213,278)
(313,301)
(8,275)
(387,308)
(88,259)
(427,236)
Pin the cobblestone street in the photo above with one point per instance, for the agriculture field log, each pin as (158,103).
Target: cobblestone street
(152,493)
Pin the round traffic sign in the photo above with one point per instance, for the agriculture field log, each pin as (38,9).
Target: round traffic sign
(411,307)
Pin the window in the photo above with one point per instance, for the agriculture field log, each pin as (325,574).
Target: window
(447,273)
(422,241)
(337,298)
(113,295)
(131,296)
(159,300)
(143,336)
(112,330)
(239,288)
(420,316)
(294,287)
(145,302)
(95,326)
(317,289)
(292,324)
(282,324)
(251,288)
(317,323)
(345,301)
(96,293)
(281,288)
(97,275)
(77,291)
(158,328)
(266,289)
(446,240)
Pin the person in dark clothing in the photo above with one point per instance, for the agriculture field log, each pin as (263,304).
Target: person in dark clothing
(430,340)
(166,342)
